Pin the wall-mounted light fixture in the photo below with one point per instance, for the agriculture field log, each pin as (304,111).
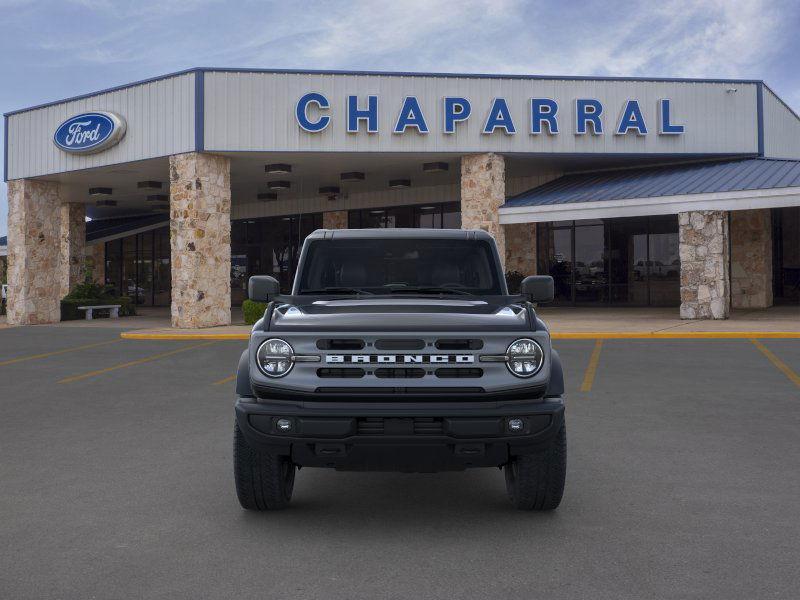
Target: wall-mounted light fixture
(278,168)
(352,176)
(399,183)
(435,167)
(100,191)
(106,203)
(279,185)
(329,189)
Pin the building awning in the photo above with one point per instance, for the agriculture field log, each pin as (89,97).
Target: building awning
(722,185)
(105,230)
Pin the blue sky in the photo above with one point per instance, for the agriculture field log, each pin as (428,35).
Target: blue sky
(57,49)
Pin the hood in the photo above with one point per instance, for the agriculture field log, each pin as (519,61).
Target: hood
(496,313)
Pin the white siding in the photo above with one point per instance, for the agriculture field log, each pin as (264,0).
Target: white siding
(255,112)
(160,122)
(781,128)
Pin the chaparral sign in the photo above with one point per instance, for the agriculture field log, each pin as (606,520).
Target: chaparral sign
(90,132)
(588,116)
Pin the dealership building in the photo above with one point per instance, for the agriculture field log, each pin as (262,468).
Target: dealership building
(628,191)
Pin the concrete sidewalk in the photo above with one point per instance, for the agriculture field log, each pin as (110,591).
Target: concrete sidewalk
(565,323)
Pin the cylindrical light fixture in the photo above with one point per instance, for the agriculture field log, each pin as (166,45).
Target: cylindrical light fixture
(435,167)
(277,168)
(329,189)
(100,191)
(267,196)
(106,203)
(399,183)
(352,176)
(279,185)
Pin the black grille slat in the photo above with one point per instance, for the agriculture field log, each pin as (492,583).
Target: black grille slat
(399,373)
(400,344)
(421,426)
(344,373)
(340,344)
(459,373)
(459,344)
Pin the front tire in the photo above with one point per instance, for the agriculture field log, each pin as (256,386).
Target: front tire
(536,481)
(264,481)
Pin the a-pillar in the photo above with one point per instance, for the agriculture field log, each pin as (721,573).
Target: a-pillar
(34,282)
(334,219)
(200,239)
(703,247)
(73,244)
(483,192)
(521,248)
(751,258)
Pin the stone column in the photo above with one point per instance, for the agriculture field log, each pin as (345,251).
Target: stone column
(200,239)
(521,248)
(334,219)
(751,258)
(34,242)
(96,257)
(703,247)
(483,192)
(73,242)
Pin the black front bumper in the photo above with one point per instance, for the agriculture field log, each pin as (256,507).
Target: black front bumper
(399,436)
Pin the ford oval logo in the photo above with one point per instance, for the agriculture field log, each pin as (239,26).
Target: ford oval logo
(90,132)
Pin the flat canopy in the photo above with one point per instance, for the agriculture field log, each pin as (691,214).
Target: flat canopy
(748,183)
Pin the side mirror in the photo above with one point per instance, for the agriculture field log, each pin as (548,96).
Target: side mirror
(538,288)
(263,288)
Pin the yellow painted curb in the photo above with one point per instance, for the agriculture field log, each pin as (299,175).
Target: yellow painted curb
(589,335)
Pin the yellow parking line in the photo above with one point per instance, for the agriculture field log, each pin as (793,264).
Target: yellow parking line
(591,369)
(54,353)
(128,335)
(226,380)
(779,364)
(132,363)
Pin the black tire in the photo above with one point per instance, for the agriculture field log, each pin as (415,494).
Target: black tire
(264,481)
(536,481)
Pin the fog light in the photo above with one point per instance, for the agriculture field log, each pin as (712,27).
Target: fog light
(516,424)
(283,424)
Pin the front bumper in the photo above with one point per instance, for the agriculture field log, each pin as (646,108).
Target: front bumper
(399,436)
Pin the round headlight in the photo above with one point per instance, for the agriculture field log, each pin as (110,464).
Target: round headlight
(275,357)
(525,357)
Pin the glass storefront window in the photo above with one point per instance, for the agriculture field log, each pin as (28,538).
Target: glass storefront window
(428,216)
(618,261)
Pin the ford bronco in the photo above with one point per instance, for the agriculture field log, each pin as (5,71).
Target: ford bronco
(400,350)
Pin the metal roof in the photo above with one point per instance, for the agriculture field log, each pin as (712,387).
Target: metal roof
(671,180)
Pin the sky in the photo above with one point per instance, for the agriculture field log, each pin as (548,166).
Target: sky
(56,49)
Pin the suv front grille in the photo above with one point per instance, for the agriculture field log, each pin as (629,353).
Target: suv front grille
(399,373)
(415,426)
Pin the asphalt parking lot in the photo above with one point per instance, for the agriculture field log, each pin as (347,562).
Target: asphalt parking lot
(115,482)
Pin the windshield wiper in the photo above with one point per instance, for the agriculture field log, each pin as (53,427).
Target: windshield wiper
(429,290)
(337,290)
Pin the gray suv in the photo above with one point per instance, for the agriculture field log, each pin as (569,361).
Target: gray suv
(400,350)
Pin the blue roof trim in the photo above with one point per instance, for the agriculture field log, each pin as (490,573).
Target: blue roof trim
(199,110)
(383,74)
(666,180)
(760,117)
(5,147)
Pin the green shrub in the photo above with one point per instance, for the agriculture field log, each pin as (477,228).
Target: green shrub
(253,311)
(513,281)
(70,312)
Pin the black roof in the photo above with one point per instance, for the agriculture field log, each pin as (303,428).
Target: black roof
(401,233)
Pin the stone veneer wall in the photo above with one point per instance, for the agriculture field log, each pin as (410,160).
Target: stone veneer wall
(521,248)
(96,257)
(703,247)
(200,239)
(483,192)
(73,242)
(34,243)
(751,258)
(334,219)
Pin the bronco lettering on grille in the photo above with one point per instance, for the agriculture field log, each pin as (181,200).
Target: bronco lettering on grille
(400,358)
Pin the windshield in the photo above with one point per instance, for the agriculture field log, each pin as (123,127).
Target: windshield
(397,266)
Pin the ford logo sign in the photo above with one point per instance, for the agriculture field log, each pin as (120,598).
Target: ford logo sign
(90,132)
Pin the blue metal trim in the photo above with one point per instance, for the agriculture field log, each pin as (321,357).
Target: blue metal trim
(760,117)
(5,148)
(779,99)
(199,110)
(383,74)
